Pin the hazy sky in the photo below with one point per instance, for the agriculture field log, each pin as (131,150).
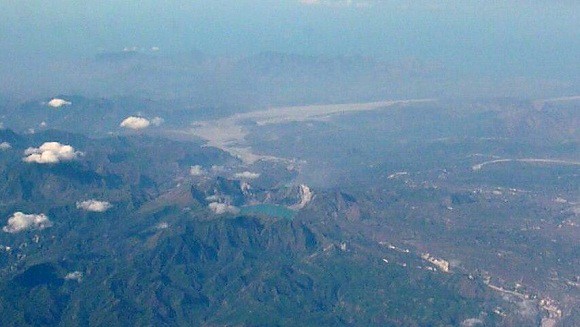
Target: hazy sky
(517,34)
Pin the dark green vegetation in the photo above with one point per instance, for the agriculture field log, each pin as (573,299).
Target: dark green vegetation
(160,257)
(238,271)
(385,196)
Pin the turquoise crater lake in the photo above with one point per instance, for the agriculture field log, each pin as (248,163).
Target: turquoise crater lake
(271,210)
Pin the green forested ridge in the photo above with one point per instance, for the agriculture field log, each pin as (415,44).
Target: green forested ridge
(199,268)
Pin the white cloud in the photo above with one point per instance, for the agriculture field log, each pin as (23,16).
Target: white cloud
(20,222)
(156,121)
(221,208)
(5,146)
(57,103)
(133,122)
(94,205)
(50,152)
(75,275)
(247,175)
(196,170)
(162,225)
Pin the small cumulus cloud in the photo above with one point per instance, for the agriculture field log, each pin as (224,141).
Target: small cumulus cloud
(75,275)
(135,123)
(221,208)
(5,146)
(94,205)
(57,103)
(156,121)
(162,225)
(247,175)
(196,170)
(20,222)
(50,153)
